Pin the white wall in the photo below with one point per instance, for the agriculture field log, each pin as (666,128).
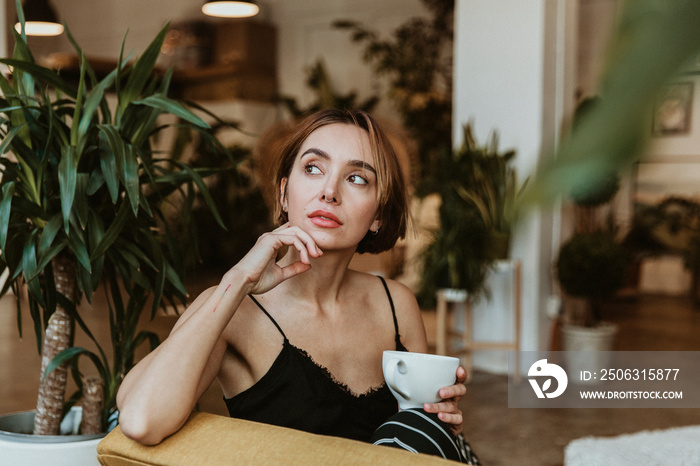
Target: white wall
(514,75)
(305,34)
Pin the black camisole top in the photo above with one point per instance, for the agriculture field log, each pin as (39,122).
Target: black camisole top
(297,392)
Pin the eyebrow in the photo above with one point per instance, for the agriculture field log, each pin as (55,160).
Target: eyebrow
(353,163)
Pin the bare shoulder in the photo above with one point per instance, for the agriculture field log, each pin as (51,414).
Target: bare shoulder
(409,317)
(408,314)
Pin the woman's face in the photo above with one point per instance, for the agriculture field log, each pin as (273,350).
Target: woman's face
(331,191)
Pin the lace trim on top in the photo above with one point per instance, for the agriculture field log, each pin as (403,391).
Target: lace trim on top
(372,391)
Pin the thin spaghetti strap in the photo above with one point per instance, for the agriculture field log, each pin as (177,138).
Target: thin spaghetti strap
(270,317)
(391,302)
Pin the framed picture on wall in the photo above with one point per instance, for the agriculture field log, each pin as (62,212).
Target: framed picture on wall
(673,110)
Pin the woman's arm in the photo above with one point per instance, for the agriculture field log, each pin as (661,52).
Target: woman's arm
(158,394)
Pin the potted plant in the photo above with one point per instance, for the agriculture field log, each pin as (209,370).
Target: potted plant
(82,195)
(479,193)
(591,266)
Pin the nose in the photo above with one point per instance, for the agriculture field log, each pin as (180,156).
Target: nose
(330,193)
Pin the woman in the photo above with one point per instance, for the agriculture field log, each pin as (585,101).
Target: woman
(297,341)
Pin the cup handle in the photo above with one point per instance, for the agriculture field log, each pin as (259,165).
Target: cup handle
(395,365)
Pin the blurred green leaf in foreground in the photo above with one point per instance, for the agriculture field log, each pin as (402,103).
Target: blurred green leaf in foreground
(653,40)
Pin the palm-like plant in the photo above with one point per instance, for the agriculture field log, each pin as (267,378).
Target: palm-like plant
(490,184)
(82,192)
(479,193)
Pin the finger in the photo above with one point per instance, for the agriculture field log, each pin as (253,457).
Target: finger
(309,245)
(303,251)
(453,391)
(291,239)
(455,419)
(308,241)
(461,374)
(295,268)
(441,407)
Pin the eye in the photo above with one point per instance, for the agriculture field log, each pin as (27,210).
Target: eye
(311,169)
(357,179)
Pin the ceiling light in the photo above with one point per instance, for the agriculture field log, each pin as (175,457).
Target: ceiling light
(228,9)
(39,19)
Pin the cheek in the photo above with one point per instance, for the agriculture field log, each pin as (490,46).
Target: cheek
(370,211)
(297,198)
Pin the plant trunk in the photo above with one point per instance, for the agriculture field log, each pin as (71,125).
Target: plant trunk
(586,219)
(93,402)
(49,407)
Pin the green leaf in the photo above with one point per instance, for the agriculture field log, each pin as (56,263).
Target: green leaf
(67,178)
(50,253)
(174,279)
(81,323)
(93,101)
(108,162)
(24,81)
(29,257)
(81,205)
(141,71)
(118,147)
(159,284)
(95,234)
(21,20)
(78,105)
(96,181)
(44,75)
(84,281)
(29,266)
(131,178)
(204,191)
(7,140)
(140,257)
(163,103)
(112,232)
(68,354)
(129,274)
(8,191)
(46,240)
(77,243)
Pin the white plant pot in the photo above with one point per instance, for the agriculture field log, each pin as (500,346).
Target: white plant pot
(598,338)
(587,349)
(19,447)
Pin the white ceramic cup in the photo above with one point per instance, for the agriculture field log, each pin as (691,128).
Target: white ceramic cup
(416,378)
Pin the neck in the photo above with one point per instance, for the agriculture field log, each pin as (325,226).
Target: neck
(325,278)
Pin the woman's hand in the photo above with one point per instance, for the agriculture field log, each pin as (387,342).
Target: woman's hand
(448,409)
(260,267)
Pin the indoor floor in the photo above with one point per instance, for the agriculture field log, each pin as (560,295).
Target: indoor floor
(499,435)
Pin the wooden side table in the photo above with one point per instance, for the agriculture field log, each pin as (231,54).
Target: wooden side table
(451,299)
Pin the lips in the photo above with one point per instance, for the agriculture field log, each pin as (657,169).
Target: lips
(325,219)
